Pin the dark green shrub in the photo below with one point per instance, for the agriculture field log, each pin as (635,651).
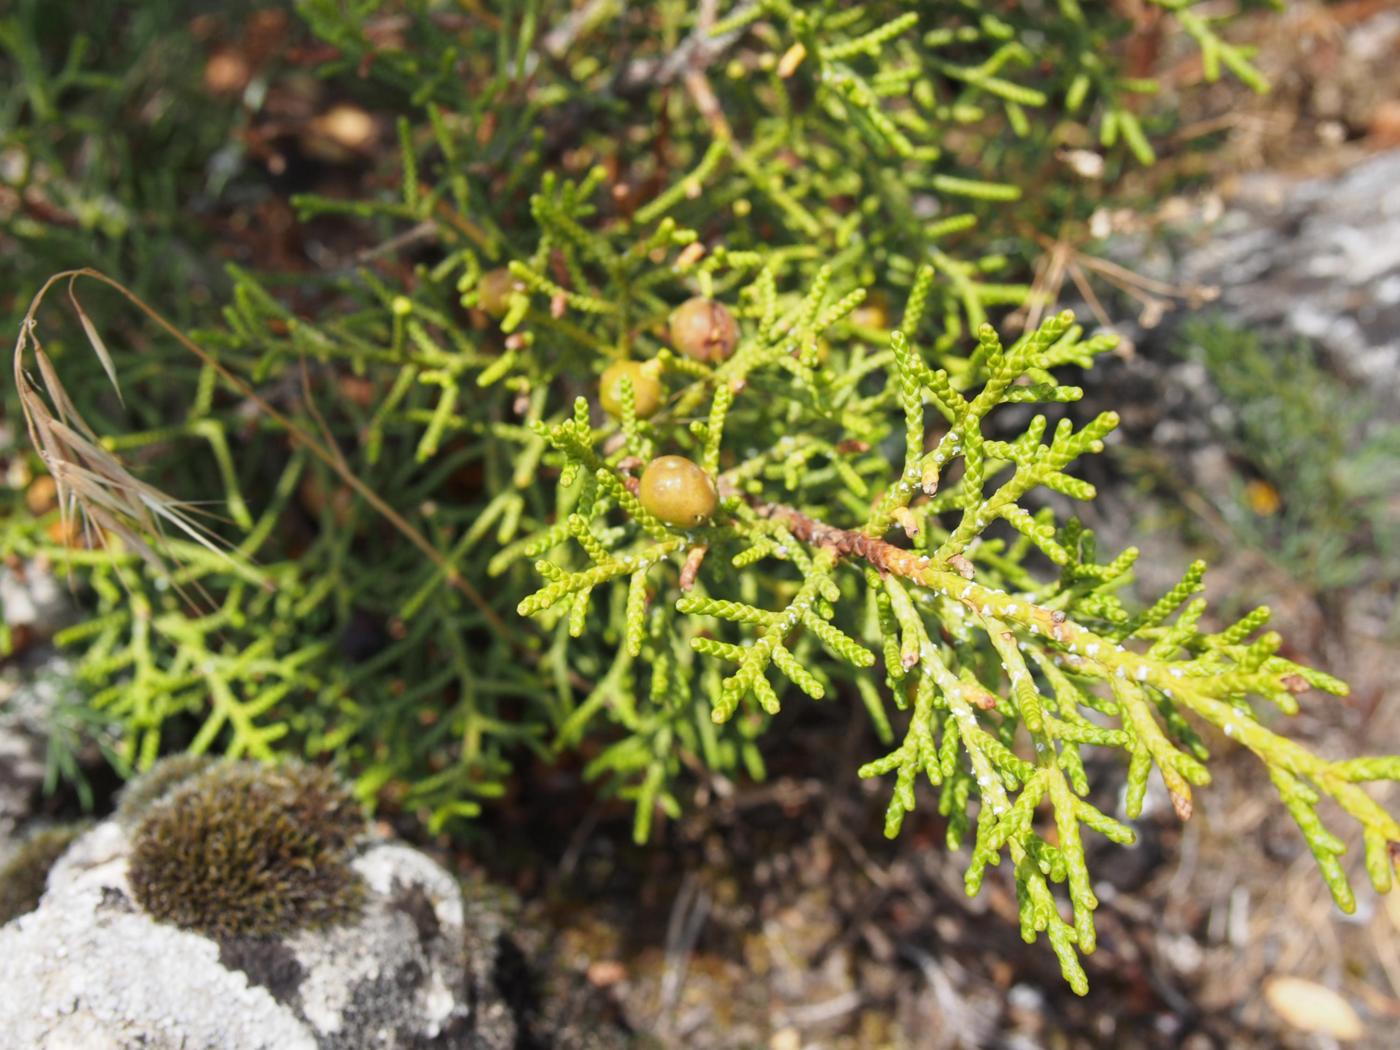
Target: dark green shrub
(111,147)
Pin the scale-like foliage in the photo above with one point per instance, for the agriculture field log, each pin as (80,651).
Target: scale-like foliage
(1008,673)
(406,469)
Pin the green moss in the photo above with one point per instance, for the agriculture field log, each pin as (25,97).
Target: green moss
(24,876)
(244,849)
(153,785)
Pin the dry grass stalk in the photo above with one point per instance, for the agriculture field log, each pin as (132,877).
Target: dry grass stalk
(93,484)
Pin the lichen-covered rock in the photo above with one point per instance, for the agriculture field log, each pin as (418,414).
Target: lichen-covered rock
(1315,259)
(89,969)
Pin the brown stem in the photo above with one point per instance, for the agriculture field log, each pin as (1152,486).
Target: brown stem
(952,577)
(884,556)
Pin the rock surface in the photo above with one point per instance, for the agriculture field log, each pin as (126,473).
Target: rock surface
(88,970)
(1317,258)
(21,774)
(1312,261)
(34,604)
(29,694)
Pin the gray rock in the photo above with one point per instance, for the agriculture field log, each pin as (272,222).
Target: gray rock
(32,599)
(21,774)
(1310,260)
(29,691)
(1317,258)
(88,970)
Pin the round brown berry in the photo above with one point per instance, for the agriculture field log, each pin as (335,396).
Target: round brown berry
(704,329)
(646,388)
(678,492)
(493,291)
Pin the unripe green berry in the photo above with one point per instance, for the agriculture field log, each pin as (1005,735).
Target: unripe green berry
(704,329)
(678,492)
(874,312)
(646,388)
(494,290)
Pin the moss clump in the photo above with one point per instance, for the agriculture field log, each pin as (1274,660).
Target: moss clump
(249,850)
(24,876)
(153,785)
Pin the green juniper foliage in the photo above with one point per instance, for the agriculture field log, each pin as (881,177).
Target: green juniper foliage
(858,191)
